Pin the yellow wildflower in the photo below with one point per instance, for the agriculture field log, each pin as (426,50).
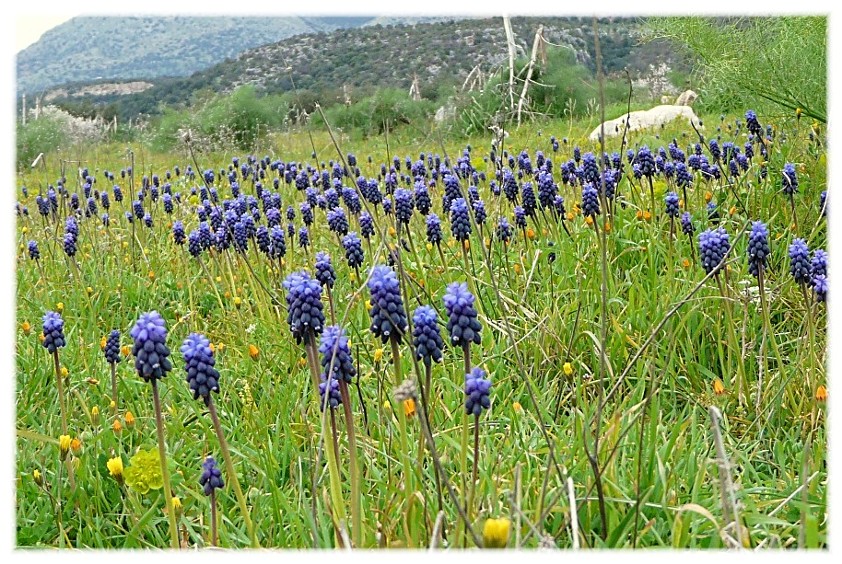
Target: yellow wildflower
(26,327)
(718,388)
(495,533)
(568,369)
(254,352)
(63,445)
(129,419)
(409,407)
(821,394)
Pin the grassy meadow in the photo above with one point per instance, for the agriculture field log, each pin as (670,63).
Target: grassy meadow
(577,449)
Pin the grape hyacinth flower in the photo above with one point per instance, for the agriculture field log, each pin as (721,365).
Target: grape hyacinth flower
(460,223)
(590,201)
(477,389)
(758,248)
(53,327)
(687,224)
(752,124)
(152,363)
(150,348)
(714,245)
(820,287)
(422,198)
(337,221)
(34,253)
(799,261)
(366,225)
(112,356)
(426,336)
(70,244)
(462,324)
(434,234)
(818,264)
(388,317)
(671,201)
(336,353)
(334,396)
(504,230)
(326,277)
(211,480)
(202,377)
(520,217)
(403,205)
(304,306)
(303,236)
(353,250)
(789,180)
(278,247)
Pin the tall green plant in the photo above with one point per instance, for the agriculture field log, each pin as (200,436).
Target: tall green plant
(765,63)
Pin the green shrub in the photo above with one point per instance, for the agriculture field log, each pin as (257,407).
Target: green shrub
(234,120)
(43,135)
(369,115)
(761,63)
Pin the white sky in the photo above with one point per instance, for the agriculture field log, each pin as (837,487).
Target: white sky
(28,29)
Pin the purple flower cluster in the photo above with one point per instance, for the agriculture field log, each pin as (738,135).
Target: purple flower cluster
(202,377)
(426,335)
(112,347)
(211,478)
(53,328)
(304,305)
(477,392)
(388,317)
(335,351)
(714,244)
(150,346)
(462,323)
(758,248)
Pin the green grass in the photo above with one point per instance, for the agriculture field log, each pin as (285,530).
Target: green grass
(656,452)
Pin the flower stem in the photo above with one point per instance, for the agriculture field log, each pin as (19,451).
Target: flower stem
(356,493)
(229,466)
(332,461)
(214,529)
(165,472)
(60,386)
(476,456)
(463,453)
(114,393)
(407,465)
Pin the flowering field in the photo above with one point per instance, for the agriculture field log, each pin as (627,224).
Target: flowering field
(401,345)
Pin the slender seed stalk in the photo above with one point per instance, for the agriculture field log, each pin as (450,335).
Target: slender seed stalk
(71,475)
(404,446)
(356,493)
(114,393)
(60,386)
(463,452)
(165,471)
(229,467)
(332,461)
(214,529)
(476,456)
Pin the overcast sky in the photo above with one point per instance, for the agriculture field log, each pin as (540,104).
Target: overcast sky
(28,29)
